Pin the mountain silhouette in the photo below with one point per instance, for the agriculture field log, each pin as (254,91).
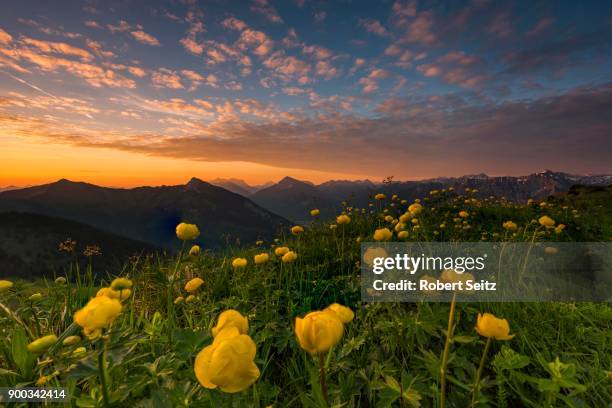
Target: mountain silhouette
(150,214)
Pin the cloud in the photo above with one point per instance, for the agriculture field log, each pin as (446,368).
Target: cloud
(325,69)
(58,48)
(374,26)
(97,48)
(92,24)
(5,37)
(121,27)
(263,7)
(500,26)
(420,30)
(190,41)
(145,38)
(166,78)
(543,24)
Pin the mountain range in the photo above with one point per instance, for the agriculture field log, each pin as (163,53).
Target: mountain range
(150,214)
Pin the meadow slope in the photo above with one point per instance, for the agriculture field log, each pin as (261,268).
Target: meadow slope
(390,354)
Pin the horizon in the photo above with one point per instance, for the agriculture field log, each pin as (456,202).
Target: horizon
(276,181)
(261,89)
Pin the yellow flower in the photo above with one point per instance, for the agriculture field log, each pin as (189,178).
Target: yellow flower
(315,212)
(231,318)
(179,300)
(546,221)
(402,234)
(79,351)
(190,299)
(463,214)
(71,340)
(60,280)
(97,314)
(382,234)
(187,232)
(296,230)
(262,258)
(42,344)
(559,228)
(319,331)
(120,284)
(333,226)
(195,250)
(404,218)
(400,226)
(389,218)
(289,257)
(228,363)
(239,263)
(487,325)
(193,285)
(5,285)
(343,219)
(36,297)
(114,294)
(380,196)
(415,208)
(280,251)
(371,253)
(344,313)
(510,226)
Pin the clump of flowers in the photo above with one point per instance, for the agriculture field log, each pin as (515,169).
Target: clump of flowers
(510,226)
(415,208)
(546,221)
(280,251)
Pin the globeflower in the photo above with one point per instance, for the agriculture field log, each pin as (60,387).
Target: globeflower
(97,314)
(60,280)
(231,318)
(187,232)
(297,230)
(382,234)
(289,257)
(546,221)
(343,219)
(559,228)
(228,363)
(463,214)
(193,285)
(114,294)
(36,297)
(318,331)
(280,251)
(344,313)
(71,340)
(415,208)
(380,196)
(402,234)
(42,344)
(510,226)
(487,325)
(315,212)
(239,263)
(5,285)
(120,284)
(371,253)
(195,250)
(262,258)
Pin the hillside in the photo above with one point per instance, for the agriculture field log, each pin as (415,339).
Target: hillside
(29,246)
(149,214)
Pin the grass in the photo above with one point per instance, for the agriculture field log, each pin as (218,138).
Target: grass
(390,354)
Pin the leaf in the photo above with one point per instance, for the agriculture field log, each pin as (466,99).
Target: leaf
(464,339)
(23,359)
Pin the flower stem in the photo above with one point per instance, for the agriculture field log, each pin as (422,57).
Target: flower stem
(449,335)
(322,377)
(479,372)
(103,376)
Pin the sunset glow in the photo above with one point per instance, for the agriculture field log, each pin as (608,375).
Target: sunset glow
(259,91)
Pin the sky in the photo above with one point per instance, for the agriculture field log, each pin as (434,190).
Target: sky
(127,93)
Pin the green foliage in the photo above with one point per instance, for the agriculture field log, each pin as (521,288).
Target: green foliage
(390,354)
